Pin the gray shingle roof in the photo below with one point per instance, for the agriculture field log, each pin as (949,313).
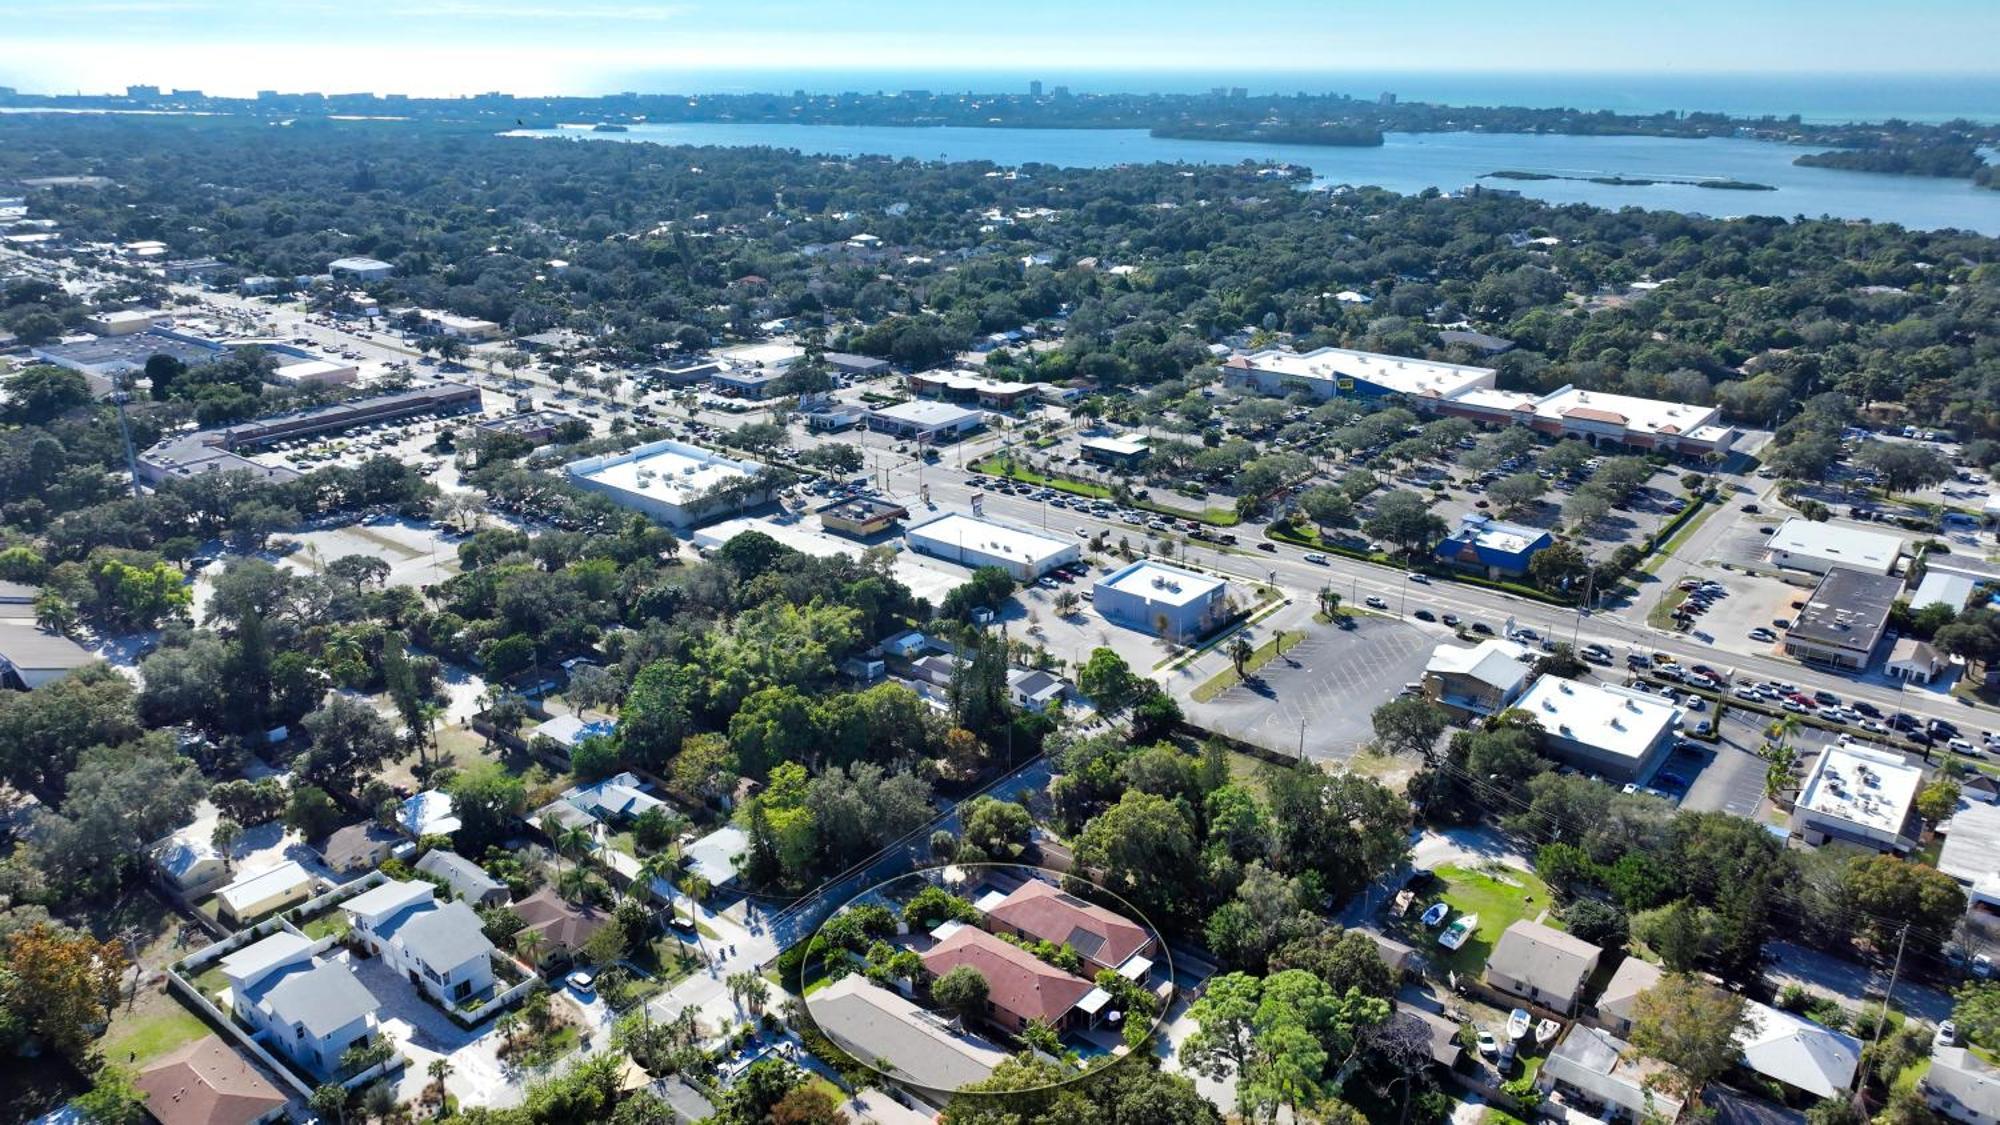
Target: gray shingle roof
(466,877)
(1548,959)
(445,937)
(324,998)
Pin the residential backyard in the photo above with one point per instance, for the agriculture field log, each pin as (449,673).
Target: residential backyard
(1499,895)
(152,1025)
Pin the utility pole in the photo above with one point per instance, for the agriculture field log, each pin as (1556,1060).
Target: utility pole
(1902,940)
(125,436)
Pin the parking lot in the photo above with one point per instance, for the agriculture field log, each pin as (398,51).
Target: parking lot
(1072,638)
(1327,686)
(1725,776)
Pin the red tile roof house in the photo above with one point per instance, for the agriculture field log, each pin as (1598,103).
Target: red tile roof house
(1019,985)
(1039,911)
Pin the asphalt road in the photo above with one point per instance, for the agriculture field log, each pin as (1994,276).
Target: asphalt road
(1356,580)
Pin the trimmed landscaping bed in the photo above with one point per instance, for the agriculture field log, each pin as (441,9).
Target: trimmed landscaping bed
(1227,678)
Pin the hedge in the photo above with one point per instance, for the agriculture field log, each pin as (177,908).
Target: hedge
(1286,535)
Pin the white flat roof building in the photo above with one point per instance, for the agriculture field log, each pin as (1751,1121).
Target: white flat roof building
(926,418)
(930,584)
(1971,852)
(1326,372)
(315,373)
(1640,417)
(974,543)
(771,355)
(1803,544)
(1602,728)
(465,327)
(1114,448)
(124,322)
(367,269)
(666,480)
(1939,587)
(1859,795)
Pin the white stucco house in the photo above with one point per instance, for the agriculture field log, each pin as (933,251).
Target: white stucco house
(440,947)
(308,1010)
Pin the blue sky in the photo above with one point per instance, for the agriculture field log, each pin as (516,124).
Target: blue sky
(593,46)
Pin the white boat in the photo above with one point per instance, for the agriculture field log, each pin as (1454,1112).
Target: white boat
(1459,931)
(1435,915)
(1545,1032)
(1404,900)
(1517,1023)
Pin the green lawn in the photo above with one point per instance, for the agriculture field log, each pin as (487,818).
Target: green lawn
(1498,903)
(667,960)
(1703,510)
(211,981)
(998,466)
(165,1025)
(325,925)
(1661,616)
(1227,678)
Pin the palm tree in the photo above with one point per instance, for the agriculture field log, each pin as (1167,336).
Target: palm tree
(574,883)
(54,614)
(1240,653)
(429,711)
(1329,601)
(658,869)
(528,944)
(226,833)
(576,841)
(439,1070)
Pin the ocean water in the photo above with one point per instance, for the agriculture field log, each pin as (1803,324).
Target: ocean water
(1411,162)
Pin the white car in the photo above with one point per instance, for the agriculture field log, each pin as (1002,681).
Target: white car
(1419,579)
(1317,559)
(1373,602)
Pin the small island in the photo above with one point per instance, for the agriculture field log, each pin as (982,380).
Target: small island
(1628,181)
(1322,133)
(1945,161)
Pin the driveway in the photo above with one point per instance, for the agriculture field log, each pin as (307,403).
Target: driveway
(1326,687)
(1850,982)
(1465,846)
(422,1033)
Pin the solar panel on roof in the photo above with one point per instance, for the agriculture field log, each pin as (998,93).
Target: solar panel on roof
(1085,942)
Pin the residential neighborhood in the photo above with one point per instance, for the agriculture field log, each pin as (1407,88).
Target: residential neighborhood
(513,612)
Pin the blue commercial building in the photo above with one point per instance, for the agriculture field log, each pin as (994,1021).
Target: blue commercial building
(1495,548)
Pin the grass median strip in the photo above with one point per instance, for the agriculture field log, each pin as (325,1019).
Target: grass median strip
(1263,654)
(1661,616)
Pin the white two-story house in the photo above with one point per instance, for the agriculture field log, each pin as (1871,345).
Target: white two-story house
(309,1010)
(439,946)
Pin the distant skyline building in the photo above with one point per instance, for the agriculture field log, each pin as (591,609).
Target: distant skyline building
(1035,88)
